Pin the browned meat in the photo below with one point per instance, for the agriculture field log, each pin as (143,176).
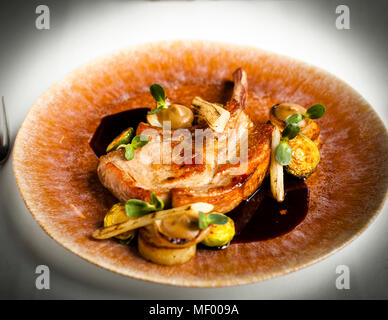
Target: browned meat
(222,183)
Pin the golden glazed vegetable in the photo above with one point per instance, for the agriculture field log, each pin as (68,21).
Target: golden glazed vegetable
(168,241)
(122,139)
(116,215)
(311,130)
(305,157)
(179,115)
(160,254)
(281,112)
(183,227)
(220,235)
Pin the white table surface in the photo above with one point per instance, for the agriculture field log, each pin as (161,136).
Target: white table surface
(31,60)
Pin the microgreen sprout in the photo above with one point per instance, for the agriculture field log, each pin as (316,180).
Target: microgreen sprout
(283,153)
(314,112)
(138,208)
(212,218)
(137,142)
(160,97)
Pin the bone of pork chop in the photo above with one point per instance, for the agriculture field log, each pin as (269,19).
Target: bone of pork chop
(156,168)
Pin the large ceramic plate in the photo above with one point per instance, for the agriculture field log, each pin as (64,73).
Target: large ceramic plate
(55,167)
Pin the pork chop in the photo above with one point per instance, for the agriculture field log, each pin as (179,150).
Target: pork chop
(177,170)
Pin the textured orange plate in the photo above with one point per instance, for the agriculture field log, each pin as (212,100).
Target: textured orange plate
(55,168)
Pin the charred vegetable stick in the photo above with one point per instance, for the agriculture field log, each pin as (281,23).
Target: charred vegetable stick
(276,169)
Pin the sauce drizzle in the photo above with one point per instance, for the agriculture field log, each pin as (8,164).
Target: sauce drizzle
(261,217)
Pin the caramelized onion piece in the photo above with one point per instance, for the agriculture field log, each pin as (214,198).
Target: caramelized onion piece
(161,254)
(183,233)
(184,227)
(280,112)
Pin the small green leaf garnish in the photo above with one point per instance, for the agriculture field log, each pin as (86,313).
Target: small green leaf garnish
(156,110)
(156,202)
(290,132)
(202,223)
(316,111)
(138,208)
(160,97)
(129,152)
(215,218)
(139,141)
(212,218)
(294,119)
(158,93)
(283,153)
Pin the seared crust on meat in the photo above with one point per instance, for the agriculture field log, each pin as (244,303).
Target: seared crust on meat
(226,197)
(122,186)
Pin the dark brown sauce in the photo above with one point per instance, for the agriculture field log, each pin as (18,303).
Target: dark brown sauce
(111,126)
(258,218)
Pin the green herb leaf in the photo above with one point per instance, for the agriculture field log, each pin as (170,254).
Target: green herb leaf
(156,202)
(158,93)
(138,208)
(139,141)
(160,97)
(202,223)
(129,152)
(291,131)
(215,218)
(294,119)
(283,153)
(212,218)
(156,110)
(316,111)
